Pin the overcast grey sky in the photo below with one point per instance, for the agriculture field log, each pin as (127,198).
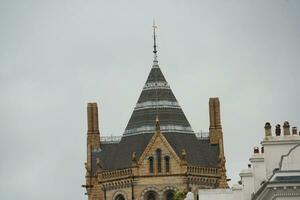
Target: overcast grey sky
(55,56)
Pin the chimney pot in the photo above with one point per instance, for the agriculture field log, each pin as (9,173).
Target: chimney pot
(294,130)
(286,128)
(268,131)
(278,130)
(256,150)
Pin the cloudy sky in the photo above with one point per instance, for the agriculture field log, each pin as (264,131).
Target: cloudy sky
(55,56)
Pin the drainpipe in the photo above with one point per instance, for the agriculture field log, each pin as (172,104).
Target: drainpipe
(104,190)
(132,190)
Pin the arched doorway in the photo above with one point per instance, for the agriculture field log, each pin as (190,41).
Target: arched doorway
(169,195)
(119,197)
(151,195)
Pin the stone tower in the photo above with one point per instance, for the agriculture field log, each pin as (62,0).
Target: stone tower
(158,153)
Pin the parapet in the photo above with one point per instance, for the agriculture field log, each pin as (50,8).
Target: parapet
(278,131)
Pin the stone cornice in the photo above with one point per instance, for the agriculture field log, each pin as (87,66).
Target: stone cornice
(286,139)
(128,173)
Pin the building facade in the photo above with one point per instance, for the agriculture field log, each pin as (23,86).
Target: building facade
(158,153)
(274,172)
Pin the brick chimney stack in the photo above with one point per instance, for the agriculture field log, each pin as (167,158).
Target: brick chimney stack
(215,128)
(216,138)
(93,134)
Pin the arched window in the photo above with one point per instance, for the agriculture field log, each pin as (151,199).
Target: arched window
(158,157)
(151,196)
(167,162)
(119,197)
(170,195)
(151,167)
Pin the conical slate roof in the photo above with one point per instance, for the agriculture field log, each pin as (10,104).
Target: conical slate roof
(157,98)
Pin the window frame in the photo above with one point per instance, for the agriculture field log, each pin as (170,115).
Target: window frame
(167,164)
(151,164)
(158,159)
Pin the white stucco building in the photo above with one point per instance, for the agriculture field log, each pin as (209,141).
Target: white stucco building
(274,172)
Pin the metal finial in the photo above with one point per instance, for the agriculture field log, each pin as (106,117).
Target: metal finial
(154,37)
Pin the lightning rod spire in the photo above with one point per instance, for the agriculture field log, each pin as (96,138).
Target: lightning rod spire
(154,46)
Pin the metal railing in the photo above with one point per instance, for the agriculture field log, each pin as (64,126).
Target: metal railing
(202,135)
(116,139)
(116,173)
(110,139)
(202,170)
